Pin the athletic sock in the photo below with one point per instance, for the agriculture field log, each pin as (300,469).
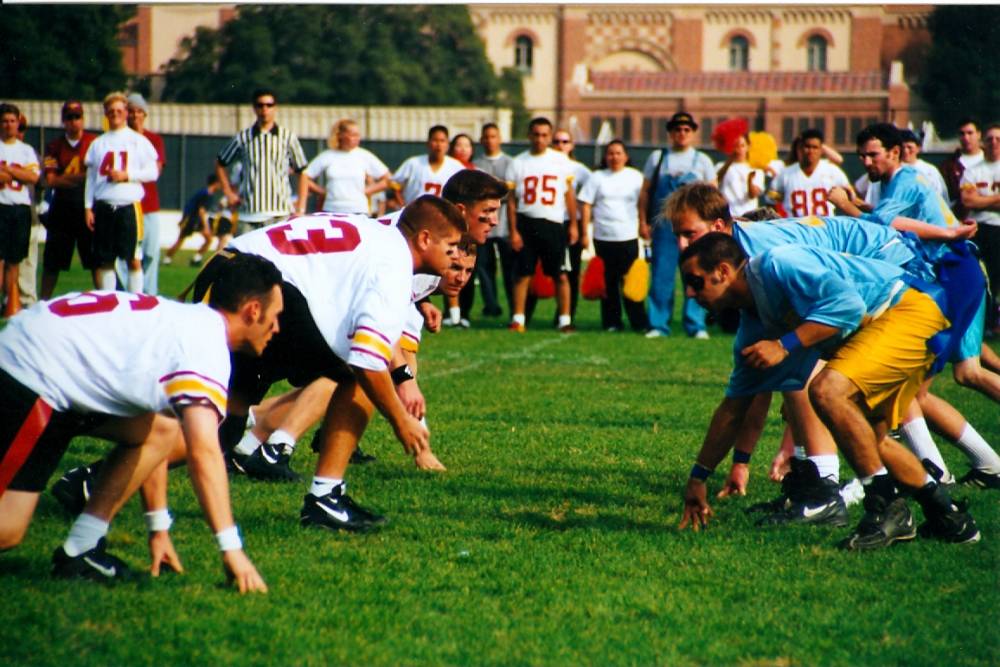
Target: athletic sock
(828,466)
(918,436)
(455,314)
(135,281)
(248,444)
(282,438)
(322,486)
(565,320)
(871,478)
(799,453)
(106,279)
(84,535)
(517,318)
(981,455)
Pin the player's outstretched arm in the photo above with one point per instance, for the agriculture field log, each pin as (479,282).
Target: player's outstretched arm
(722,432)
(928,232)
(154,500)
(378,386)
(208,476)
(744,445)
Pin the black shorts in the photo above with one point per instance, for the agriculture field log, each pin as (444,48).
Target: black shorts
(117,232)
(66,228)
(543,240)
(190,224)
(298,353)
(222,225)
(15,231)
(33,436)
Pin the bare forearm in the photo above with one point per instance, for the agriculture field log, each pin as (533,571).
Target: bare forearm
(723,431)
(154,489)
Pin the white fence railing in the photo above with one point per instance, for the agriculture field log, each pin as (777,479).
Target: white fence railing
(308,122)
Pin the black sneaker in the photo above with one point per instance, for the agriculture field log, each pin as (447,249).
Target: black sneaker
(945,519)
(337,511)
(358,456)
(981,478)
(236,462)
(73,489)
(270,463)
(821,505)
(96,565)
(802,473)
(883,524)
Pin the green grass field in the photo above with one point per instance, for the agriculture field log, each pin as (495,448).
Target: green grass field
(551,540)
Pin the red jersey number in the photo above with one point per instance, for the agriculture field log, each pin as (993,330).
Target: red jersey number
(432,189)
(89,303)
(316,241)
(108,163)
(548,189)
(809,202)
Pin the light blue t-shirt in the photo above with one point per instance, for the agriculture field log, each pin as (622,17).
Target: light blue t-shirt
(796,283)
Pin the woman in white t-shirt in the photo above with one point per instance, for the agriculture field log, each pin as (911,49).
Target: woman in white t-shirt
(610,199)
(740,183)
(351,174)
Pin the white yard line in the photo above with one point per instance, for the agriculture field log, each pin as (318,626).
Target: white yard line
(525,353)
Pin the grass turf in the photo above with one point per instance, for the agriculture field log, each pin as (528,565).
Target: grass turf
(550,540)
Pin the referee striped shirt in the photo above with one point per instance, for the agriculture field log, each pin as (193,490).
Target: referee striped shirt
(266,157)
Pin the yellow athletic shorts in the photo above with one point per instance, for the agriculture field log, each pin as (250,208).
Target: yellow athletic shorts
(887,359)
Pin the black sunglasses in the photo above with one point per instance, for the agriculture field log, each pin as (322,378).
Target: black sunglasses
(73,116)
(264,104)
(562,141)
(697,283)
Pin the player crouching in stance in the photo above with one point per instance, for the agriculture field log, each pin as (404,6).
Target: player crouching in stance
(875,328)
(111,365)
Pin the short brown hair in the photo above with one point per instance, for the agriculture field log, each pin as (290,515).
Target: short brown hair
(432,213)
(702,198)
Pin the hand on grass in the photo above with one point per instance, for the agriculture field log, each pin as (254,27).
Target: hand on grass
(696,508)
(162,553)
(736,483)
(413,435)
(426,460)
(239,569)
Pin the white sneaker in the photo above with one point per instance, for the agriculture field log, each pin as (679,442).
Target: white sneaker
(701,335)
(852,492)
(655,333)
(167,260)
(464,323)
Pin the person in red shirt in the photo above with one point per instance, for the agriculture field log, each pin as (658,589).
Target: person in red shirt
(137,114)
(65,226)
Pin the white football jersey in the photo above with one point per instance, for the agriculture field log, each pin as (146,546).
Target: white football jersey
(344,173)
(354,272)
(540,184)
(17,154)
(416,177)
(124,150)
(615,200)
(984,177)
(803,195)
(119,354)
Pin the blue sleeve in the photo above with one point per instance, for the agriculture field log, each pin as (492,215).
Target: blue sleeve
(791,374)
(816,293)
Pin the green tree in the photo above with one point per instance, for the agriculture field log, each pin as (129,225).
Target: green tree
(61,51)
(961,78)
(341,54)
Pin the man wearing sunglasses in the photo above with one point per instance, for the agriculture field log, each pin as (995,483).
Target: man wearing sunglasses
(874,324)
(266,151)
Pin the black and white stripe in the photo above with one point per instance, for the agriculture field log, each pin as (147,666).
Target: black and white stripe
(266,157)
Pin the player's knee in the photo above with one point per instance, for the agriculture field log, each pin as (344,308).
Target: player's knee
(824,391)
(967,374)
(11,536)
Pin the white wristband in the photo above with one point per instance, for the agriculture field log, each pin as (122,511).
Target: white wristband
(229,539)
(158,520)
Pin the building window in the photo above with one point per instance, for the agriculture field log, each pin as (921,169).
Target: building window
(840,130)
(739,54)
(816,54)
(523,54)
(597,121)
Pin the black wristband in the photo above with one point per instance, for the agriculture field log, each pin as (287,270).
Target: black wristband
(700,472)
(741,457)
(401,374)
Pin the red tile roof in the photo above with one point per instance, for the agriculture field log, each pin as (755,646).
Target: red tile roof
(739,82)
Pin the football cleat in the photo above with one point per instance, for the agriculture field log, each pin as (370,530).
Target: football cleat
(802,472)
(95,565)
(882,525)
(236,462)
(270,463)
(361,457)
(821,504)
(464,323)
(516,327)
(567,329)
(956,526)
(337,511)
(981,479)
(73,489)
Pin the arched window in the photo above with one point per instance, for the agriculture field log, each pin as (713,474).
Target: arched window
(739,54)
(522,54)
(816,54)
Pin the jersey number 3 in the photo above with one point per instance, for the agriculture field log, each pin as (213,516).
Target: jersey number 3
(316,241)
(89,303)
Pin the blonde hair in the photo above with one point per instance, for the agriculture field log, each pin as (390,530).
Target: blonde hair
(338,127)
(116,96)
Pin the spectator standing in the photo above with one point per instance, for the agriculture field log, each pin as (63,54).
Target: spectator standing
(498,164)
(27,273)
(18,171)
(118,162)
(968,154)
(350,174)
(425,174)
(562,141)
(981,196)
(138,112)
(802,188)
(266,151)
(66,226)
(740,183)
(911,156)
(665,171)
(610,199)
